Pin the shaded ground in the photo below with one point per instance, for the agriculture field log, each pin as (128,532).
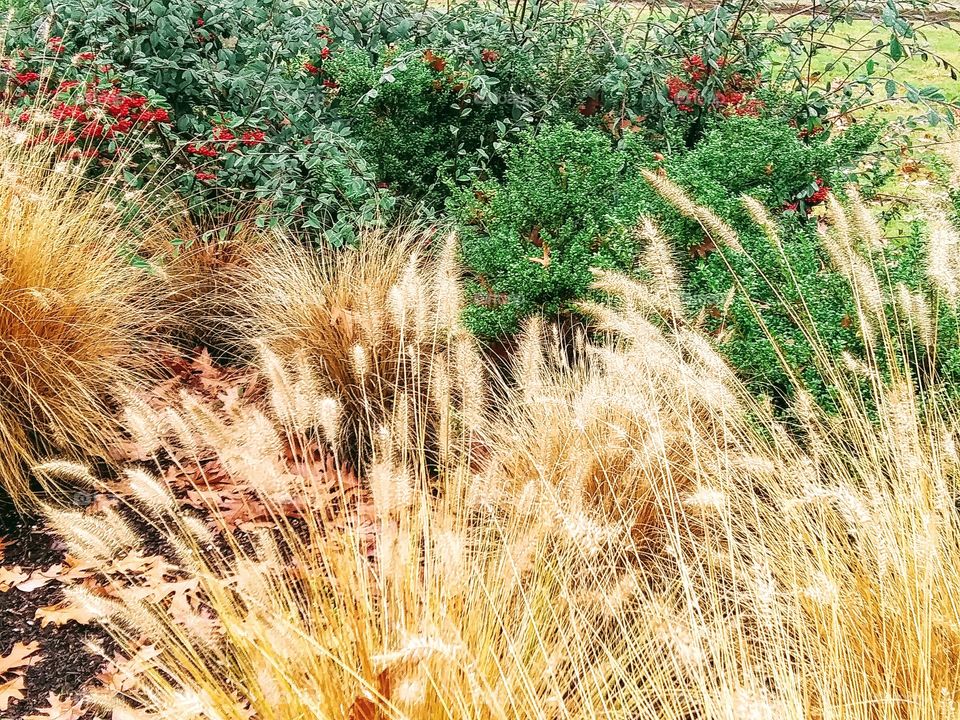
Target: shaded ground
(64,663)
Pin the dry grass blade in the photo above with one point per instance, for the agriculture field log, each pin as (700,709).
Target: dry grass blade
(362,328)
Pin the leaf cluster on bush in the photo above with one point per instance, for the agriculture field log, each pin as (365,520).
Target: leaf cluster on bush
(248,128)
(323,114)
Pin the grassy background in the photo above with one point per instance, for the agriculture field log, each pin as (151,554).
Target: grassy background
(943,39)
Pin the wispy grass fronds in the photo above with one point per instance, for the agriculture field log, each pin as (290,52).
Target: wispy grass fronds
(711,223)
(368,327)
(198,271)
(627,534)
(943,266)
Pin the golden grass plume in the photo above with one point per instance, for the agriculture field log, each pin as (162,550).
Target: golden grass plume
(375,328)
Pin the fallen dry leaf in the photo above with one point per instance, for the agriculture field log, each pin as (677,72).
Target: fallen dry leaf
(59,709)
(366,708)
(703,249)
(124,451)
(76,569)
(122,673)
(68,571)
(543,260)
(62,613)
(910,166)
(36,581)
(20,656)
(11,576)
(11,690)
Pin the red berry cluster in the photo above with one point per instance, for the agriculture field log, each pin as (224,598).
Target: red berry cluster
(749,108)
(696,69)
(252,138)
(687,92)
(437,62)
(202,150)
(86,113)
(317,68)
(26,77)
(819,195)
(807,132)
(223,140)
(447,79)
(127,109)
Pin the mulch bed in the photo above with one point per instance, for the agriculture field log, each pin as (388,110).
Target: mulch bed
(65,665)
(51,651)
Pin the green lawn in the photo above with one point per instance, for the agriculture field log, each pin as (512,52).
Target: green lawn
(943,42)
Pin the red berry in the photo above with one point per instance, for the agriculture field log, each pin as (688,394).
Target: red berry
(64,137)
(93,130)
(25,78)
(250,138)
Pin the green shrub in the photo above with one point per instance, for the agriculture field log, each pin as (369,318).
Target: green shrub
(437,97)
(566,204)
(421,130)
(249,125)
(579,196)
(765,158)
(348,106)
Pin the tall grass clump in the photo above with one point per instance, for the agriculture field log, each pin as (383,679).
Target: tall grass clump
(375,328)
(197,267)
(74,316)
(624,532)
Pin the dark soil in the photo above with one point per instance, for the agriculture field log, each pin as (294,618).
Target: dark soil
(67,665)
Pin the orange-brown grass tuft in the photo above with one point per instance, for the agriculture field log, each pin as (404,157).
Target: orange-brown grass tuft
(198,271)
(73,316)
